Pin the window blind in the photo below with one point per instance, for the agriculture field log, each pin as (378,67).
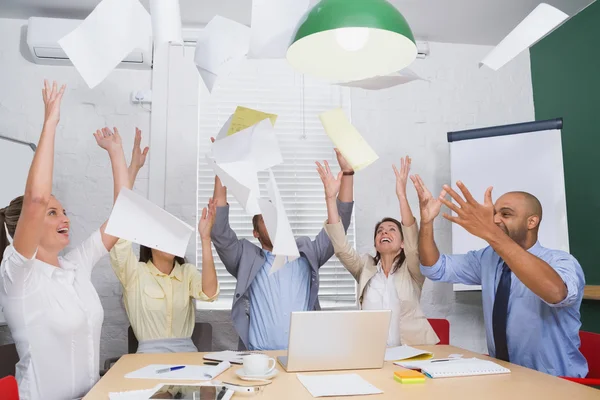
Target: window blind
(273,87)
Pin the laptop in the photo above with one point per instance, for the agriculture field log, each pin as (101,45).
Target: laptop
(336,340)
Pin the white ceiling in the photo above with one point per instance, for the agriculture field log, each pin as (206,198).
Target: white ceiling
(453,21)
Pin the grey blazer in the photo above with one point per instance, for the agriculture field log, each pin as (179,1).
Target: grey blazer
(244,259)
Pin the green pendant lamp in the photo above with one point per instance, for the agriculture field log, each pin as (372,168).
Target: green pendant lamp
(348,40)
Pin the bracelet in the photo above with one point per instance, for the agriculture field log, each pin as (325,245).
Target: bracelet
(348,173)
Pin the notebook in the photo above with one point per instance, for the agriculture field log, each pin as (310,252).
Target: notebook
(462,367)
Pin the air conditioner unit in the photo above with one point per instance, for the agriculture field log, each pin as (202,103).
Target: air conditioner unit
(43,35)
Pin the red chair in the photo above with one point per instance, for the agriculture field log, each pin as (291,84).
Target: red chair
(590,348)
(9,388)
(441,328)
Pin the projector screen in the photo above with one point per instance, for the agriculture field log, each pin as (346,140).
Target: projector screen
(15,159)
(522,157)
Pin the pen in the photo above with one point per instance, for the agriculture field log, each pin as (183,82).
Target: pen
(211,363)
(442,359)
(222,393)
(163,370)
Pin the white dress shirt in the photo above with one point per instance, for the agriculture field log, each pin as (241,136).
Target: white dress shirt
(380,294)
(55,317)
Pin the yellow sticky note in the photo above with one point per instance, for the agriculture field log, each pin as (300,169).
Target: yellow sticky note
(347,139)
(244,118)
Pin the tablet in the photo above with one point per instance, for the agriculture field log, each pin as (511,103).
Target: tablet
(192,392)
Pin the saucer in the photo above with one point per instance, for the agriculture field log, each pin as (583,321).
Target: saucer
(240,373)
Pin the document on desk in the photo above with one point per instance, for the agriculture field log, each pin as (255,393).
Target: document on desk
(189,372)
(346,138)
(405,353)
(337,385)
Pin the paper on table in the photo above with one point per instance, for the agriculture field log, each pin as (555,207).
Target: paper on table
(166,21)
(244,118)
(257,144)
(337,385)
(133,394)
(190,372)
(273,25)
(278,226)
(386,81)
(113,30)
(241,180)
(406,352)
(347,139)
(542,20)
(137,219)
(221,45)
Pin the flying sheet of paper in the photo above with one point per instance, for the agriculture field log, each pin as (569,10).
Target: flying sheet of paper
(273,24)
(386,81)
(224,129)
(222,44)
(244,118)
(166,21)
(257,144)
(190,372)
(337,385)
(406,352)
(242,182)
(532,29)
(347,139)
(136,219)
(113,30)
(278,226)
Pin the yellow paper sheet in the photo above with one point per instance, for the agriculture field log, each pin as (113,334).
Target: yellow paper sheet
(347,139)
(244,118)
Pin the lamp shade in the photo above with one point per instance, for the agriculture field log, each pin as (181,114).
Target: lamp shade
(352,39)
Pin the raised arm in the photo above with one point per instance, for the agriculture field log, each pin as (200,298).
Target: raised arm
(38,188)
(410,230)
(112,143)
(220,191)
(138,158)
(210,284)
(430,208)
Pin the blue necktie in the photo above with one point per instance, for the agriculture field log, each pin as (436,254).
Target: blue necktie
(500,314)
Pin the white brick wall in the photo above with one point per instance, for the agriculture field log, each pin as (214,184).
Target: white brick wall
(411,119)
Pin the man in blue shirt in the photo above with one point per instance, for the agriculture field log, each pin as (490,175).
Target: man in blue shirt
(263,302)
(531,295)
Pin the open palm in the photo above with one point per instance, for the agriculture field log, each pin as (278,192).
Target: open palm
(138,157)
(207,220)
(331,184)
(107,139)
(429,205)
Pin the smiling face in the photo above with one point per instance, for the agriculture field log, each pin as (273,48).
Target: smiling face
(56,227)
(388,237)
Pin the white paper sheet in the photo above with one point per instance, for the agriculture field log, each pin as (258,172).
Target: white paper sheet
(190,372)
(113,30)
(273,24)
(347,139)
(221,44)
(386,81)
(137,219)
(257,144)
(166,21)
(403,353)
(278,226)
(223,132)
(146,393)
(241,181)
(337,385)
(532,29)
(208,78)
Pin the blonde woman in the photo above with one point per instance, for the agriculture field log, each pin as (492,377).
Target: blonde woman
(159,288)
(391,280)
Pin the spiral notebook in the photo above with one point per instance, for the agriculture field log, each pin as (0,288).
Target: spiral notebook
(462,367)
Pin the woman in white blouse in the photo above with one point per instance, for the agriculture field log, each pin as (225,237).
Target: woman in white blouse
(391,280)
(50,304)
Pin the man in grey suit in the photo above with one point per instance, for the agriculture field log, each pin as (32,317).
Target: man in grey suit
(263,303)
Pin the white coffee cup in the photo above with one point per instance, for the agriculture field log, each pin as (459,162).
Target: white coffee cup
(258,364)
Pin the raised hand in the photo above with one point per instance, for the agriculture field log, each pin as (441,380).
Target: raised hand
(331,184)
(138,157)
(402,176)
(207,219)
(429,205)
(52,97)
(344,165)
(108,140)
(477,219)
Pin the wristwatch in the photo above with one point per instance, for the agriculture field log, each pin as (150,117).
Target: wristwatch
(348,172)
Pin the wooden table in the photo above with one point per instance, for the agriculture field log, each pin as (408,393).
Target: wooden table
(521,383)
(591,292)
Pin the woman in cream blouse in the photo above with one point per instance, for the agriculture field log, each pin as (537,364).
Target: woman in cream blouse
(391,280)
(159,288)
